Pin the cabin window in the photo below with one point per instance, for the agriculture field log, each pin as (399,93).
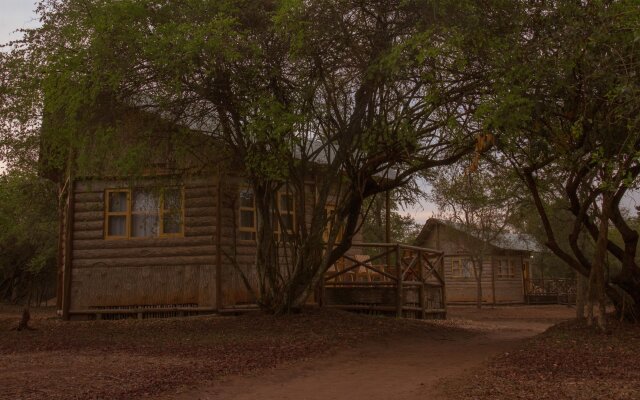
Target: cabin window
(506,268)
(144,213)
(284,205)
(117,214)
(247,224)
(461,268)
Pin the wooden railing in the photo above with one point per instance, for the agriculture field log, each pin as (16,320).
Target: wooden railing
(546,291)
(387,278)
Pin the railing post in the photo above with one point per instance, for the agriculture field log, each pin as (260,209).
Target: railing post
(444,284)
(399,299)
(421,289)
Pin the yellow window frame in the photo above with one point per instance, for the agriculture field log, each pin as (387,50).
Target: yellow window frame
(278,205)
(163,211)
(244,229)
(108,213)
(129,213)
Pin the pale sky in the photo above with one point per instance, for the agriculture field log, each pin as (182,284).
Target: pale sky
(15,14)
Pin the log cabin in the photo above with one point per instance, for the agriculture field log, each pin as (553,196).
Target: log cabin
(506,268)
(167,244)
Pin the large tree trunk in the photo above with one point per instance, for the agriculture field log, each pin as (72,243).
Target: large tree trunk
(596,277)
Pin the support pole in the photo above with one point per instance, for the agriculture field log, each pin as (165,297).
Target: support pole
(68,252)
(421,289)
(219,296)
(444,286)
(387,224)
(399,299)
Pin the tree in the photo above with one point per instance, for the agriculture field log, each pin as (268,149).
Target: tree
(403,228)
(478,202)
(564,90)
(28,238)
(367,92)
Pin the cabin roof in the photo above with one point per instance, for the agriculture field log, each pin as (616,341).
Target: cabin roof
(517,241)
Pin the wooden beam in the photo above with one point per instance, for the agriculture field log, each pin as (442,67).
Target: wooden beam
(399,298)
(421,291)
(219,296)
(493,279)
(68,250)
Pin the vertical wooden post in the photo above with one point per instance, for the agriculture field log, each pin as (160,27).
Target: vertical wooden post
(421,288)
(524,284)
(444,285)
(399,294)
(219,296)
(61,248)
(68,250)
(387,224)
(493,279)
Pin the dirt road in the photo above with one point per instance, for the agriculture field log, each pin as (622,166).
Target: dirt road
(400,368)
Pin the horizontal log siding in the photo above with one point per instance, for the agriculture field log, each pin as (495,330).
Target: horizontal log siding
(510,290)
(148,271)
(507,290)
(461,290)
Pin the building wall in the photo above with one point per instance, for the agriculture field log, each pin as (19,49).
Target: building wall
(145,271)
(464,290)
(172,271)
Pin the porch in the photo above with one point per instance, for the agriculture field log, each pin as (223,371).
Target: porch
(387,278)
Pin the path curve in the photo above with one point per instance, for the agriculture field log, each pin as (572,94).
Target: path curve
(399,368)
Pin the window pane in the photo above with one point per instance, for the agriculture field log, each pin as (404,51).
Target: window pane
(172,223)
(144,225)
(467,269)
(117,202)
(117,226)
(172,199)
(145,200)
(286,202)
(287,222)
(246,219)
(246,198)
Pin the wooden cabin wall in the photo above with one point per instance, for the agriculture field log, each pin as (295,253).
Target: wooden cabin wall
(234,289)
(172,271)
(147,271)
(464,290)
(510,290)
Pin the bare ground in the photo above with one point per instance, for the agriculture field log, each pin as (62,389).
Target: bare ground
(399,367)
(318,354)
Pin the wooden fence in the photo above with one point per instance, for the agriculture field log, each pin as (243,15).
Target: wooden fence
(550,291)
(387,278)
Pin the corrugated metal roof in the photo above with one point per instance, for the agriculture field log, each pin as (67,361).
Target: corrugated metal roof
(506,240)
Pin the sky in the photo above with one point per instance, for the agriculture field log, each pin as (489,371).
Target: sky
(16,14)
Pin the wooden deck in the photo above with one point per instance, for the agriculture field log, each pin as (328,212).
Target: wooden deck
(387,278)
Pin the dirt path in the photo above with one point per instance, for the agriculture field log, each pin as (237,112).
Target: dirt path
(401,368)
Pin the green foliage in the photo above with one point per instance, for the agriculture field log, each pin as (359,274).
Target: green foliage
(368,89)
(404,229)
(28,238)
